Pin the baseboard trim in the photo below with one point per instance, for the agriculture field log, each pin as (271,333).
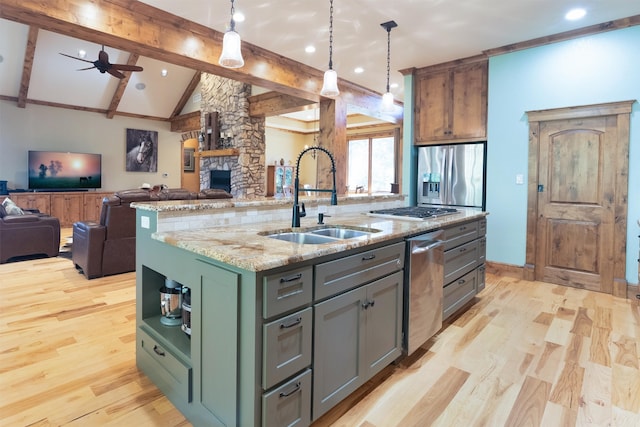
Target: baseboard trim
(508,270)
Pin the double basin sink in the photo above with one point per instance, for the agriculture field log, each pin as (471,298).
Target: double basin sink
(320,235)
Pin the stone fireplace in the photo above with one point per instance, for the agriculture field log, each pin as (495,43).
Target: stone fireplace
(246,135)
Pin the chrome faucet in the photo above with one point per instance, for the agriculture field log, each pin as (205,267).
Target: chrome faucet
(297,212)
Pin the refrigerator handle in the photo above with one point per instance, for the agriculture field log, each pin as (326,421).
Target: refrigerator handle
(444,179)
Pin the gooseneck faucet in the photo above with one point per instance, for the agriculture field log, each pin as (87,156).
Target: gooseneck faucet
(297,213)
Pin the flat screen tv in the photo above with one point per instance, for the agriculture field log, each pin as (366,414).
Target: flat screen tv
(63,171)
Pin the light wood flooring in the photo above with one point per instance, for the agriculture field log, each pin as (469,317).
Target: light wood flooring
(524,354)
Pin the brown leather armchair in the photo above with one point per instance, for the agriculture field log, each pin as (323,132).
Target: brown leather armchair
(29,234)
(109,247)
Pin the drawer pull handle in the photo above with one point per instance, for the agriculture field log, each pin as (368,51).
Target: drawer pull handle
(369,257)
(291,278)
(291,323)
(461,281)
(463,228)
(463,249)
(157,350)
(366,304)
(295,388)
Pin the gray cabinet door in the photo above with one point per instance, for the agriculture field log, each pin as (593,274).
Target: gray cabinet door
(338,345)
(383,322)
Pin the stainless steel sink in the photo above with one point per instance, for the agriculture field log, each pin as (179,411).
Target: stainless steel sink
(340,233)
(320,235)
(302,238)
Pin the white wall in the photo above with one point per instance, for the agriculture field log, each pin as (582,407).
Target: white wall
(589,70)
(286,145)
(45,128)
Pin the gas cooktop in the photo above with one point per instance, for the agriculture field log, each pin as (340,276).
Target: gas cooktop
(413,212)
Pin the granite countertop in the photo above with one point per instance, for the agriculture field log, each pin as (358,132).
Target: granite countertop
(246,248)
(203,204)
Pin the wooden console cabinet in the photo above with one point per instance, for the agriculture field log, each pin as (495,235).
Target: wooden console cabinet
(68,207)
(451,103)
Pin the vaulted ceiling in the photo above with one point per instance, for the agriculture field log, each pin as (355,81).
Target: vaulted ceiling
(429,32)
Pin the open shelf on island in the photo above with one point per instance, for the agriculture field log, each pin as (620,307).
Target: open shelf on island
(217,153)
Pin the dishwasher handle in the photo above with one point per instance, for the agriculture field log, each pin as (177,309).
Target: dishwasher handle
(427,245)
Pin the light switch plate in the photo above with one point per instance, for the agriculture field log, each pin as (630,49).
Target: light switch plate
(144,222)
(519,179)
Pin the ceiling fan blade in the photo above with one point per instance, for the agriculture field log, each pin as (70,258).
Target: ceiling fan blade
(75,57)
(88,68)
(115,73)
(125,67)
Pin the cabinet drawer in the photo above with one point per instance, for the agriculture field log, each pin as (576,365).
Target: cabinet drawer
(460,234)
(458,293)
(290,404)
(170,374)
(346,273)
(459,261)
(287,347)
(287,291)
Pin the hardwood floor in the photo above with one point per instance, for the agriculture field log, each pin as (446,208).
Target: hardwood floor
(524,354)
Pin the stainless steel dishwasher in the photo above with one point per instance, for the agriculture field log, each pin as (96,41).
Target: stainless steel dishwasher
(424,277)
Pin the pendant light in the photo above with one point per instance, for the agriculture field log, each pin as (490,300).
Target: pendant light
(330,84)
(387,98)
(231,56)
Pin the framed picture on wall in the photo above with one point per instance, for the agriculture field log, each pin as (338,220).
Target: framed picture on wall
(188,163)
(142,151)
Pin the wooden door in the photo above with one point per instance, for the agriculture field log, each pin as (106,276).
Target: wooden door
(577,218)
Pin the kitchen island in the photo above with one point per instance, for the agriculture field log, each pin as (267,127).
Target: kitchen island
(270,318)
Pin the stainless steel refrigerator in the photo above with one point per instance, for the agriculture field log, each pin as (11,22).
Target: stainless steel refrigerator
(452,175)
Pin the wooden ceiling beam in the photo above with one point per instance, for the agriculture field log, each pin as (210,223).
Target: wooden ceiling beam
(136,27)
(195,81)
(274,104)
(27,66)
(122,85)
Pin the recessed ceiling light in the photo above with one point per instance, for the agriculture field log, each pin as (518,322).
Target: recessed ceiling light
(82,53)
(575,14)
(164,72)
(140,86)
(358,70)
(310,49)
(238,17)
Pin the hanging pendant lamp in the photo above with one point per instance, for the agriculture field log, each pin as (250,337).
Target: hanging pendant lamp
(387,98)
(231,56)
(330,84)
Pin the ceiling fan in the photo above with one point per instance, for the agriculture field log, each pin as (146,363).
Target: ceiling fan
(104,66)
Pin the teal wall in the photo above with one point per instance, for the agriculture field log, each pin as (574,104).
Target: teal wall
(589,70)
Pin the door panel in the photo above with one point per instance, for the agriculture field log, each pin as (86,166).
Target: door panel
(575,226)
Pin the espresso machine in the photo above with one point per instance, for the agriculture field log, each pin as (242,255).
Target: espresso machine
(171,303)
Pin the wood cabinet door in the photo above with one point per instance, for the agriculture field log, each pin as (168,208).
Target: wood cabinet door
(93,206)
(432,103)
(384,322)
(338,345)
(468,111)
(68,208)
(40,202)
(576,203)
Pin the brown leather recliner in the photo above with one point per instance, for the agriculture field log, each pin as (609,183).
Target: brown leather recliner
(109,247)
(29,234)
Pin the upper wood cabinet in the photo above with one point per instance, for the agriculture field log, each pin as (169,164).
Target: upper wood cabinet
(451,103)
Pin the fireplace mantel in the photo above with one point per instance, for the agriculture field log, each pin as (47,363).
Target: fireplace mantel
(217,153)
